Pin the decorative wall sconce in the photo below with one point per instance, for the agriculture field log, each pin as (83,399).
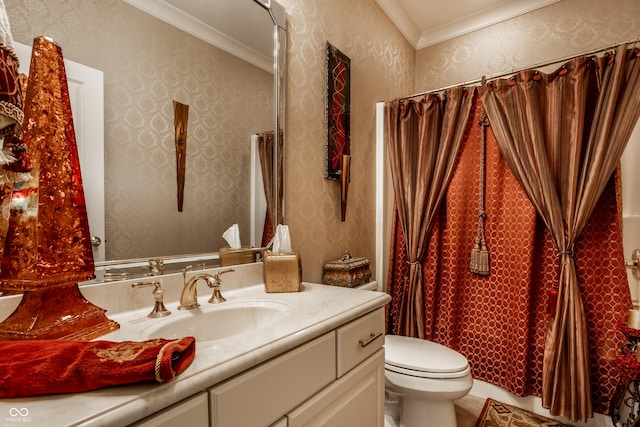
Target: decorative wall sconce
(337,111)
(180,120)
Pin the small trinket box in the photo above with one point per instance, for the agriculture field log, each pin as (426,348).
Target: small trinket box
(282,272)
(346,272)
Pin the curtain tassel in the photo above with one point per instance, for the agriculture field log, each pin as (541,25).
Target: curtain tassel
(480,253)
(483,267)
(475,256)
(480,257)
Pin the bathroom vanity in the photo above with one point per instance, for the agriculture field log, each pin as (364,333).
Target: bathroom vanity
(262,359)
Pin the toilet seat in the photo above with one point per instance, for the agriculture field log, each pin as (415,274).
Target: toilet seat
(425,359)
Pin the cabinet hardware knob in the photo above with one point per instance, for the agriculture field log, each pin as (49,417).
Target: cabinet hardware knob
(372,337)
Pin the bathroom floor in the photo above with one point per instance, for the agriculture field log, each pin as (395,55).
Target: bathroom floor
(467,412)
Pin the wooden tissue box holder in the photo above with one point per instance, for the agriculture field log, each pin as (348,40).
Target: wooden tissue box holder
(230,256)
(282,272)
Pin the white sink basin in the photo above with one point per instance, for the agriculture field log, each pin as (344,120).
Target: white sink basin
(213,322)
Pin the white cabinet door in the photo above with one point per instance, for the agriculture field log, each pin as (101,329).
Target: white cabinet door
(261,396)
(191,412)
(355,400)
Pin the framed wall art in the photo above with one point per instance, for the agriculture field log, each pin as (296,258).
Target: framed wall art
(337,109)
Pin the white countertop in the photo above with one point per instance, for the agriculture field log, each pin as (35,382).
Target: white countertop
(314,311)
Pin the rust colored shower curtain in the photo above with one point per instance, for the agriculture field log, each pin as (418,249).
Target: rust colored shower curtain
(424,140)
(562,135)
(499,322)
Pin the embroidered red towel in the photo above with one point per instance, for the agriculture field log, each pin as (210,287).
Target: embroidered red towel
(29,368)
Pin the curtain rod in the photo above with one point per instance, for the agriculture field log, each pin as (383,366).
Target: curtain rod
(506,73)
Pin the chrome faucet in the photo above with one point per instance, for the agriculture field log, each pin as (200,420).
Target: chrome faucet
(159,310)
(189,296)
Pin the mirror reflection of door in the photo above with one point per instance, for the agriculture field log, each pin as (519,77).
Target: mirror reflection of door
(86,93)
(631,204)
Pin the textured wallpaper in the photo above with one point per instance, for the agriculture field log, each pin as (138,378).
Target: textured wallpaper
(147,64)
(382,64)
(562,29)
(158,68)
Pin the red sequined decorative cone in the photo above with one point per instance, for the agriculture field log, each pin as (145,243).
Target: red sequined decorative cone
(48,246)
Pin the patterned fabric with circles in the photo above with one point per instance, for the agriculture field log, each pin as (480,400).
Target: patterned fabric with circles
(499,321)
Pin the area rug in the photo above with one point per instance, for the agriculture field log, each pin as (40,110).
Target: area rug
(498,414)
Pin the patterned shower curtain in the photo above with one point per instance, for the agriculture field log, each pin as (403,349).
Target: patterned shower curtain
(424,141)
(562,135)
(499,321)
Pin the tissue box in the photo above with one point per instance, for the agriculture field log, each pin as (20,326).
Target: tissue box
(282,272)
(346,272)
(230,256)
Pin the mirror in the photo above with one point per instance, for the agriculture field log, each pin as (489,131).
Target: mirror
(223,70)
(631,205)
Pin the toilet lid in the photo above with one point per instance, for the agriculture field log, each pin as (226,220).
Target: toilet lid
(423,357)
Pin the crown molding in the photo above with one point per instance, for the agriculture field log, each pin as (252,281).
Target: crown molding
(420,39)
(170,14)
(401,20)
(480,20)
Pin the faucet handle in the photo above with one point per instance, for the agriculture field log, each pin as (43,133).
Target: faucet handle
(217,297)
(189,268)
(159,310)
(192,267)
(216,276)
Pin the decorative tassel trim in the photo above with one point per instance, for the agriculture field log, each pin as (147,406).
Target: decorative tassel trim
(480,258)
(480,253)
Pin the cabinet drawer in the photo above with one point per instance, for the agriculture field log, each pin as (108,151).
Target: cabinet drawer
(262,395)
(193,411)
(358,340)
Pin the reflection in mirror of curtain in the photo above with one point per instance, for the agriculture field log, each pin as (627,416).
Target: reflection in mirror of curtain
(146,64)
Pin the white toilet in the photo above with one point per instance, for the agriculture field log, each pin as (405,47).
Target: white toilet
(426,377)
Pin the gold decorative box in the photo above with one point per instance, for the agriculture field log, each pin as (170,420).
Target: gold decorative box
(347,272)
(282,272)
(230,256)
